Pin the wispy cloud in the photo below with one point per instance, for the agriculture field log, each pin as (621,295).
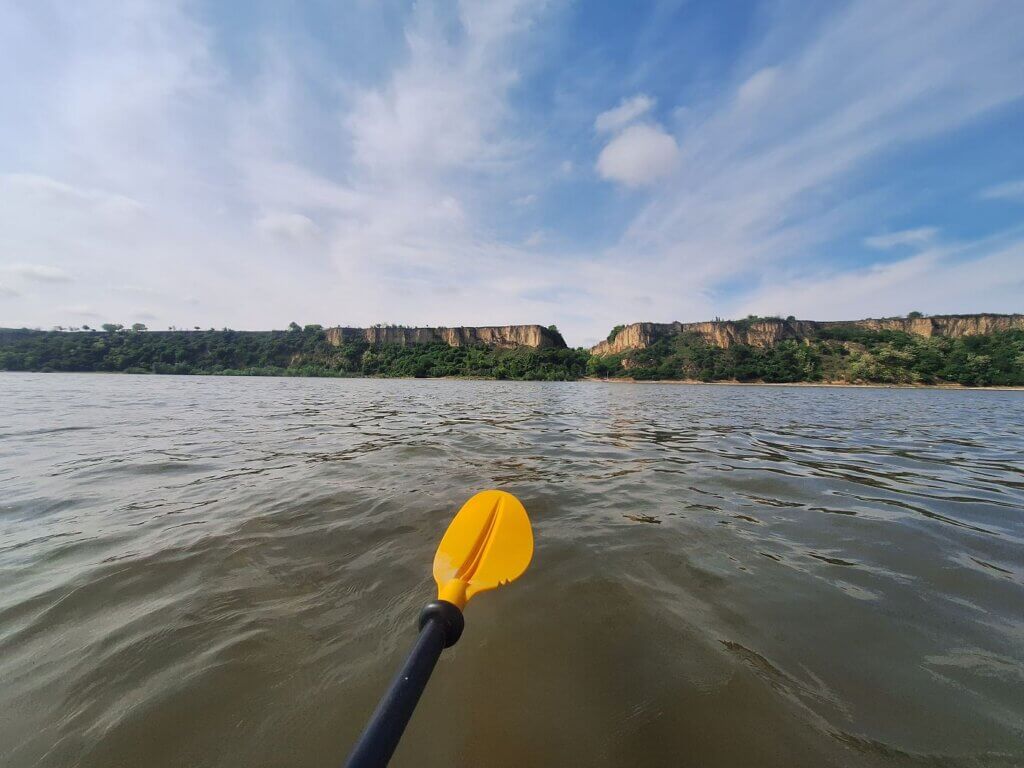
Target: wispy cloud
(289,226)
(984,277)
(42,273)
(405,183)
(758,86)
(46,191)
(911,237)
(1009,190)
(764,179)
(628,111)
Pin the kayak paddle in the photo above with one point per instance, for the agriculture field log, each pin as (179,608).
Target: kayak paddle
(488,544)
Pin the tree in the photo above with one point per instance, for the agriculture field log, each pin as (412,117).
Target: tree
(139,327)
(86,327)
(914,315)
(293,326)
(112,327)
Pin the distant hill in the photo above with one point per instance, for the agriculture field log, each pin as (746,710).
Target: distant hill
(972,350)
(500,352)
(767,331)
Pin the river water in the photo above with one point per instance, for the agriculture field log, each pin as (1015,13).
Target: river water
(226,572)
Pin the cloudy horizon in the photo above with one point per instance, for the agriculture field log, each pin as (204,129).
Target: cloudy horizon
(514,161)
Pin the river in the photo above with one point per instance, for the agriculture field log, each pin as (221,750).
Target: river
(209,571)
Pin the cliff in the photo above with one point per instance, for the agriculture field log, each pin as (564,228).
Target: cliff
(766,332)
(497,336)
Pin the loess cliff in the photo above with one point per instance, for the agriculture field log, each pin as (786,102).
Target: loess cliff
(496,336)
(767,332)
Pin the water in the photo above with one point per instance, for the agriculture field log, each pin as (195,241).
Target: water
(226,572)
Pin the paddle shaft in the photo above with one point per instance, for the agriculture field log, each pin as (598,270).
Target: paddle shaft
(440,626)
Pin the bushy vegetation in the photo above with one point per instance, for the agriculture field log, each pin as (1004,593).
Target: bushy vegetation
(855,355)
(841,353)
(296,352)
(615,332)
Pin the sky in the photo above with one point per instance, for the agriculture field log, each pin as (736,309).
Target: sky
(246,164)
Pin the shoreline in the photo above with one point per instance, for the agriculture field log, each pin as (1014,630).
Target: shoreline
(583,379)
(823,384)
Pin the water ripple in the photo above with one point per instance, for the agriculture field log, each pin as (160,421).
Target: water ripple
(219,571)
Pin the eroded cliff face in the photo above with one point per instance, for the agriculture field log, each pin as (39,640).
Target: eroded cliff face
(766,333)
(761,333)
(499,336)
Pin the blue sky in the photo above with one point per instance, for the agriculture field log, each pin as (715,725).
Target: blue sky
(246,164)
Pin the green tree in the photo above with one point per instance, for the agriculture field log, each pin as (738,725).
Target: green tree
(112,327)
(139,327)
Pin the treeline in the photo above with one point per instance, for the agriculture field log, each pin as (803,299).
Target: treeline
(295,352)
(854,355)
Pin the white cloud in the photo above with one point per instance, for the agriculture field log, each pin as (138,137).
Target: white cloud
(639,155)
(7,292)
(758,86)
(444,108)
(1010,190)
(767,188)
(44,190)
(158,155)
(408,167)
(288,226)
(628,111)
(985,277)
(909,237)
(525,200)
(535,239)
(42,273)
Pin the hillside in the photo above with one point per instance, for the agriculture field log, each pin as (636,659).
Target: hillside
(516,352)
(768,331)
(496,336)
(972,350)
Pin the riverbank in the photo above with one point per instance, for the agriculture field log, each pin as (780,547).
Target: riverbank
(586,379)
(832,384)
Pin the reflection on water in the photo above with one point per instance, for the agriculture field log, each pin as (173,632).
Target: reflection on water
(225,572)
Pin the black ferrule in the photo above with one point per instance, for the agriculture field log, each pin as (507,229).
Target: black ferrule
(448,615)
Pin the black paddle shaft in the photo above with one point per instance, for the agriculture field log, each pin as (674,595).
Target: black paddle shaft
(441,625)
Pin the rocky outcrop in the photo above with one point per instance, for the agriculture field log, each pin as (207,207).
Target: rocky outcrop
(498,336)
(767,332)
(953,326)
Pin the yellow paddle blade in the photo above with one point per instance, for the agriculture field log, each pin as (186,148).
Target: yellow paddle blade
(489,543)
